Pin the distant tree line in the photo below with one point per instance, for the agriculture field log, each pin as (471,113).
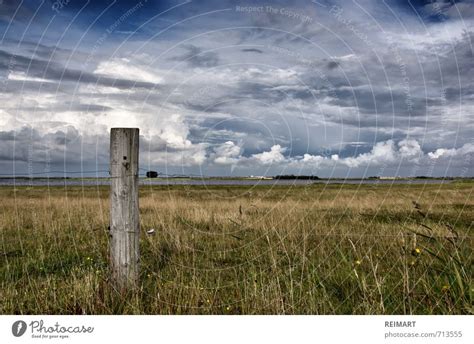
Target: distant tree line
(292,176)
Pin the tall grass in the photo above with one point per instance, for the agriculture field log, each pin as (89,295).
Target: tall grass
(244,250)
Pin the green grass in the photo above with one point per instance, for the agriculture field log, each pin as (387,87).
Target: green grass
(317,249)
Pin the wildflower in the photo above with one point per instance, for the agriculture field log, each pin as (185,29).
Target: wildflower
(228,308)
(416,251)
(148,275)
(208,301)
(412,263)
(358,262)
(445,288)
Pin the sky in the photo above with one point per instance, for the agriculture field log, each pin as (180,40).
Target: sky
(234,88)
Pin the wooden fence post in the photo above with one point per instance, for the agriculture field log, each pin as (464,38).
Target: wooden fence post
(124,216)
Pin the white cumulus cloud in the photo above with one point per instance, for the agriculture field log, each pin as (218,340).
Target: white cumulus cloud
(227,153)
(468,148)
(275,155)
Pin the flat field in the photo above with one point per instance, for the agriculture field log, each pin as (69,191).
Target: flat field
(317,249)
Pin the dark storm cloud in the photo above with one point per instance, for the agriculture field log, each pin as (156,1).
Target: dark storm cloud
(29,87)
(373,101)
(252,50)
(226,97)
(26,150)
(209,107)
(42,51)
(438,10)
(154,144)
(196,57)
(67,106)
(332,64)
(270,94)
(233,125)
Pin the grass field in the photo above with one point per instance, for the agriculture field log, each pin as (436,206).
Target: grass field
(338,249)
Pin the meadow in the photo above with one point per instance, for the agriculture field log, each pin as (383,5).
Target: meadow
(315,249)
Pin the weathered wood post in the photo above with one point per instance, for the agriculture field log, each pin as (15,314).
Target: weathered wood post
(124,217)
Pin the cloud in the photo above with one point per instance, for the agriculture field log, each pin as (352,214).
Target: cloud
(332,64)
(381,153)
(274,156)
(249,90)
(384,153)
(196,57)
(227,153)
(409,148)
(32,68)
(315,159)
(252,50)
(466,149)
(120,68)
(170,146)
(387,153)
(440,10)
(64,148)
(174,133)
